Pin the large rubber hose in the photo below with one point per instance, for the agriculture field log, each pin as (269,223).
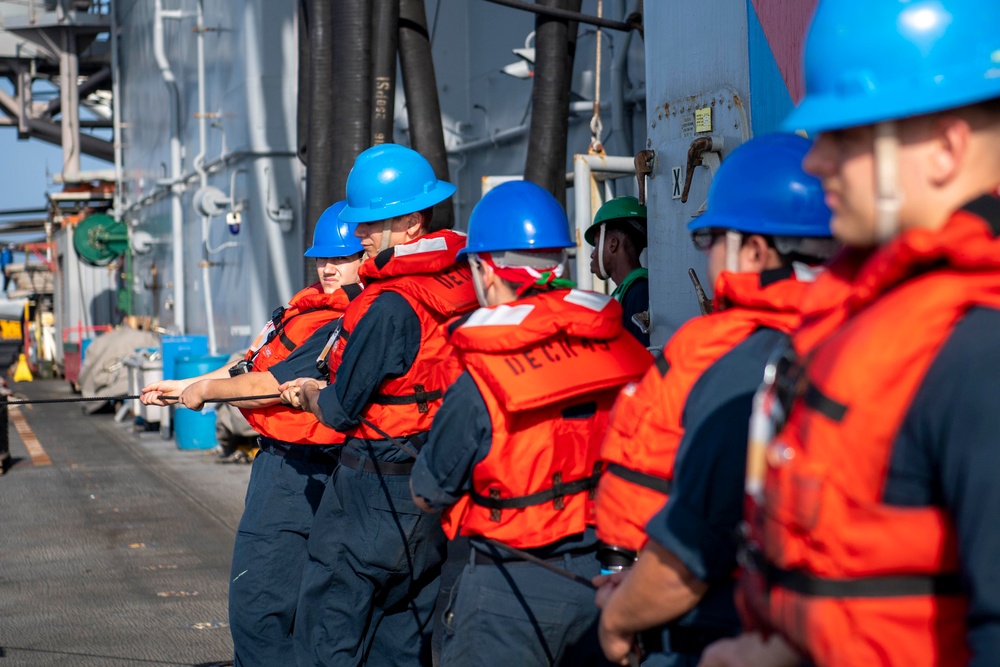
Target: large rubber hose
(555,47)
(340,100)
(422,105)
(385,20)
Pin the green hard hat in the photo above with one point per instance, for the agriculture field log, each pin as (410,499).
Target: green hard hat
(627,210)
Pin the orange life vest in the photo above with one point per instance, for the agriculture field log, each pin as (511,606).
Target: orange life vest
(845,577)
(549,367)
(646,424)
(425,273)
(289,327)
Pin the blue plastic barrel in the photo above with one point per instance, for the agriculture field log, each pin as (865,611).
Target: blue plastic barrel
(174,347)
(196,430)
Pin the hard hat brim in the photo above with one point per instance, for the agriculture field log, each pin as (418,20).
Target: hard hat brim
(441,191)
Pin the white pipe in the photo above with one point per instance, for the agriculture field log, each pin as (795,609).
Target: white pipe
(199,165)
(583,167)
(176,212)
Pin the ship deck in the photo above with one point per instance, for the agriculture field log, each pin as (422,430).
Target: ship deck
(114,546)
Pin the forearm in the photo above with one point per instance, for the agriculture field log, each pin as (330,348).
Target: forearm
(247,384)
(657,590)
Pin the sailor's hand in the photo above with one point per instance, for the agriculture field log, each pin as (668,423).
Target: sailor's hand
(605,584)
(194,396)
(618,646)
(750,650)
(153,392)
(301,392)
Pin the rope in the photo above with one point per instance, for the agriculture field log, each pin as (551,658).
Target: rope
(596,127)
(129,397)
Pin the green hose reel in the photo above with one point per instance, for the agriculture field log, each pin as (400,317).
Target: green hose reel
(99,239)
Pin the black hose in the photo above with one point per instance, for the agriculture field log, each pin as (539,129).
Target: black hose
(385,20)
(340,100)
(422,105)
(555,47)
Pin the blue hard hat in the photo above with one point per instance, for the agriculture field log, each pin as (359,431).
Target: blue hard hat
(333,237)
(517,215)
(761,188)
(867,62)
(390,180)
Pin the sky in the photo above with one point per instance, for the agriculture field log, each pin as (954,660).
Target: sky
(26,171)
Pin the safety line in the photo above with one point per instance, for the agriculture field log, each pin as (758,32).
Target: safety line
(31,443)
(129,397)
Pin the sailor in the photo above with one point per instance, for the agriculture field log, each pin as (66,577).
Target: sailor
(371,581)
(512,455)
(872,524)
(297,453)
(682,431)
(618,235)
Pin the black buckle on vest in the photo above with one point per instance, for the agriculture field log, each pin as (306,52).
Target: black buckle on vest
(420,396)
(557,489)
(495,512)
(595,475)
(557,494)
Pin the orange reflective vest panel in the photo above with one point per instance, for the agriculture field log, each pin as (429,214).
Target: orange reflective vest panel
(425,273)
(647,422)
(847,578)
(548,367)
(289,327)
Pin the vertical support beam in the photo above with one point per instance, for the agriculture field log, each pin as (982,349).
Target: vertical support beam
(69,70)
(23,103)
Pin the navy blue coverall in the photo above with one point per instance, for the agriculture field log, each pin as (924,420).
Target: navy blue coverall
(369,586)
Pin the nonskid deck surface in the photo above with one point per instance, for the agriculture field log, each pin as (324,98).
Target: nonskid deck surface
(114,546)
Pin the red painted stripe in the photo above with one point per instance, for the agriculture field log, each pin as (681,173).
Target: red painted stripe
(785,23)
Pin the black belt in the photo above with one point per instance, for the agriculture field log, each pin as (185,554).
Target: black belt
(482,558)
(690,640)
(321,454)
(349,459)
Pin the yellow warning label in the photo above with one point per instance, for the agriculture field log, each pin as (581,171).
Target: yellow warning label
(703,119)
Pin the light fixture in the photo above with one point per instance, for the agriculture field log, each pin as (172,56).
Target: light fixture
(522,68)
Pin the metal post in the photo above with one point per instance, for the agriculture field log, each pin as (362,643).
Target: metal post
(69,70)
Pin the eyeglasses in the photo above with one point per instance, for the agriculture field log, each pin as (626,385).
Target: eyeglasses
(704,239)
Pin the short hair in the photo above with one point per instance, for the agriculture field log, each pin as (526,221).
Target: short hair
(632,229)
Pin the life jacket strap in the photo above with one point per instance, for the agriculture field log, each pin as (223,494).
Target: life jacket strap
(652,482)
(556,495)
(420,396)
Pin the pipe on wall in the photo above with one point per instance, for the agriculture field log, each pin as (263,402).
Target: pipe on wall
(385,21)
(199,165)
(302,105)
(422,104)
(176,211)
(585,202)
(555,47)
